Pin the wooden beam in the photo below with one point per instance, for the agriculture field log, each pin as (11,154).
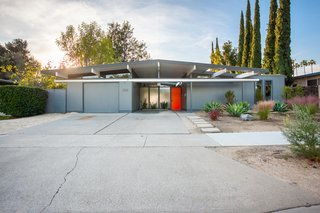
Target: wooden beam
(192,70)
(95,72)
(246,75)
(216,74)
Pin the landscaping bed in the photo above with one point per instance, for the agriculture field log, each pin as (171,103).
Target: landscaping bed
(279,162)
(227,123)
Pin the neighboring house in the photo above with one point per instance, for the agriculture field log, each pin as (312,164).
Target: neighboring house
(310,82)
(184,85)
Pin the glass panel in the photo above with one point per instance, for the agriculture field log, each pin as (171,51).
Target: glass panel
(144,97)
(259,96)
(268,90)
(164,97)
(154,97)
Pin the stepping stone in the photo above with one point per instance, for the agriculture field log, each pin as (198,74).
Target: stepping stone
(210,130)
(200,122)
(207,125)
(193,117)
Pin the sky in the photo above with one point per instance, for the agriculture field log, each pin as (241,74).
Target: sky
(172,29)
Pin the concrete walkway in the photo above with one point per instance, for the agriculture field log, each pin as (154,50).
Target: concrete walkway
(249,138)
(45,169)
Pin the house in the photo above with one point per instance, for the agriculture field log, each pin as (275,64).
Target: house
(310,82)
(183,85)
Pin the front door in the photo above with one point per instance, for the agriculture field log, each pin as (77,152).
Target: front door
(175,98)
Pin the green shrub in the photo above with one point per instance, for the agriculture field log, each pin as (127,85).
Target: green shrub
(264,108)
(280,107)
(164,105)
(19,101)
(230,96)
(291,92)
(303,133)
(144,104)
(153,106)
(212,106)
(238,108)
(259,96)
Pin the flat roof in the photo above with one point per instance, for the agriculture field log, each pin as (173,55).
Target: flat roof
(307,75)
(151,69)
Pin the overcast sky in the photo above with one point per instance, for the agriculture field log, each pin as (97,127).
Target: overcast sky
(172,29)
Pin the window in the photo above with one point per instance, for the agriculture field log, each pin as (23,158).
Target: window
(268,90)
(259,96)
(312,82)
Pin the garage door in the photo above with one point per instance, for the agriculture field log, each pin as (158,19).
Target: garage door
(101,97)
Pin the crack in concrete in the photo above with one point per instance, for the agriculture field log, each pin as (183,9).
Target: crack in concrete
(145,141)
(295,207)
(110,124)
(64,180)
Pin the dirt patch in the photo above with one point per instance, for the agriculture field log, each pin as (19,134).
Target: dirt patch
(278,162)
(227,123)
(11,125)
(86,117)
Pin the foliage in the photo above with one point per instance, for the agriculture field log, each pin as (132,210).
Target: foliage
(269,50)
(280,107)
(154,106)
(164,105)
(264,108)
(5,117)
(126,46)
(291,92)
(21,101)
(214,114)
(303,133)
(282,58)
(237,109)
(89,45)
(247,38)
(229,54)
(216,56)
(230,96)
(259,96)
(307,103)
(212,106)
(144,104)
(241,40)
(14,57)
(255,56)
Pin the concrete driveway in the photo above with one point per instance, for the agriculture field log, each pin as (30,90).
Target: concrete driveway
(138,162)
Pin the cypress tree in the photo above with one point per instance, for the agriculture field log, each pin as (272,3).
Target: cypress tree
(212,53)
(269,50)
(255,57)
(247,38)
(241,40)
(282,58)
(217,54)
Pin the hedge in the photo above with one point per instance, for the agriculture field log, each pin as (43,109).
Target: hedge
(19,101)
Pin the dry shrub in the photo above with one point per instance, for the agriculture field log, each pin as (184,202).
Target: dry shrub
(264,108)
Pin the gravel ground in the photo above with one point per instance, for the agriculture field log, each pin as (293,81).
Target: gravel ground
(7,126)
(278,161)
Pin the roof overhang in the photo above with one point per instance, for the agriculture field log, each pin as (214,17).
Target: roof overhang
(157,80)
(152,69)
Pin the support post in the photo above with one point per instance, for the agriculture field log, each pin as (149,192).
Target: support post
(191,96)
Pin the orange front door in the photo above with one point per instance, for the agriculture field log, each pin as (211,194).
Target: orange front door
(175,98)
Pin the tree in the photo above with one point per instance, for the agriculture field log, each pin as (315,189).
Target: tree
(241,40)
(247,38)
(217,55)
(311,63)
(212,53)
(126,46)
(89,46)
(303,64)
(229,54)
(255,56)
(282,56)
(269,50)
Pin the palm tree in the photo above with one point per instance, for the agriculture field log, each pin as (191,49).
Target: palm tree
(295,66)
(311,63)
(303,64)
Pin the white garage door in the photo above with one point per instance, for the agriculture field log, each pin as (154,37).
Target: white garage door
(101,97)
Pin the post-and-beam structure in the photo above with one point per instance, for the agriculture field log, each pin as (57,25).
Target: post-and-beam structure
(221,72)
(246,75)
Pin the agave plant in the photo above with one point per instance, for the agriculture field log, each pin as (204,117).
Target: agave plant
(280,107)
(238,108)
(210,106)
